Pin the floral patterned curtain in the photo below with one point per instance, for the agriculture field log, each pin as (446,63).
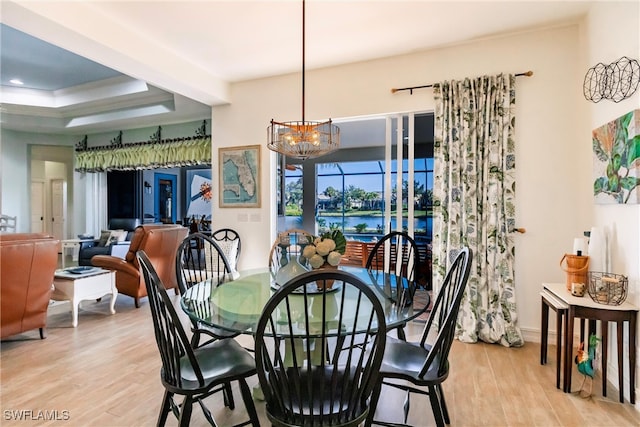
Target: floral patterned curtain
(474,199)
(189,152)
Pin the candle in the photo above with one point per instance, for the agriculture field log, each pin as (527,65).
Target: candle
(598,251)
(579,246)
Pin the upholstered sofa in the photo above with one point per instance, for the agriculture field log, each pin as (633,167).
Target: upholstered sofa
(28,262)
(103,247)
(160,242)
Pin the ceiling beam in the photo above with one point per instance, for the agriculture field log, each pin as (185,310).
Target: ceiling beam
(84,30)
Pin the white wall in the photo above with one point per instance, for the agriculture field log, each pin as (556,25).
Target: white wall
(552,180)
(553,132)
(612,31)
(553,137)
(16,151)
(13,165)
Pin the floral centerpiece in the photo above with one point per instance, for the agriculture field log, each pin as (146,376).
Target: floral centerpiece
(326,249)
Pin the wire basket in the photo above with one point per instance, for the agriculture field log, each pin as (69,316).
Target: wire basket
(607,288)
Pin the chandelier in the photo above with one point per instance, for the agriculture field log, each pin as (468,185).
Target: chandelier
(303,139)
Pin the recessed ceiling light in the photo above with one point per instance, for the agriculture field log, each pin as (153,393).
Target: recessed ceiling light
(16,82)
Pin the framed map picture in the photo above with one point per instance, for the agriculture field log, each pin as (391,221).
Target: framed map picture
(239,176)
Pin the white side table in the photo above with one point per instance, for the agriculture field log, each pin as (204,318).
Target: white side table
(74,245)
(77,287)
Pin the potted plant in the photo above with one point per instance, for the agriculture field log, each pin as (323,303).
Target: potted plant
(325,250)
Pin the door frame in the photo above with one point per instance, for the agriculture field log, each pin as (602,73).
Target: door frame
(43,206)
(156,194)
(58,208)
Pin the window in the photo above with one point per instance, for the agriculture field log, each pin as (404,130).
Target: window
(350,195)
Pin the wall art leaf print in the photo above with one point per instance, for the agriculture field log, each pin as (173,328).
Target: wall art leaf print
(616,160)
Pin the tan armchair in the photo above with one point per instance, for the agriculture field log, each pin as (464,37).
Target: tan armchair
(160,242)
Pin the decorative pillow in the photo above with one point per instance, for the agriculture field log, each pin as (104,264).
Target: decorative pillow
(122,235)
(116,236)
(104,236)
(230,250)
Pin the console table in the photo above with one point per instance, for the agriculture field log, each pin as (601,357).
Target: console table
(585,308)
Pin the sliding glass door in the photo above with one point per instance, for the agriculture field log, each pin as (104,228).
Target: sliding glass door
(372,185)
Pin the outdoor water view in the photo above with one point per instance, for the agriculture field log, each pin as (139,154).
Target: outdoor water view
(350,196)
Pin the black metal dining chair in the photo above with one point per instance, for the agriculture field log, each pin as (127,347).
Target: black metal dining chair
(307,376)
(395,253)
(198,373)
(425,364)
(198,259)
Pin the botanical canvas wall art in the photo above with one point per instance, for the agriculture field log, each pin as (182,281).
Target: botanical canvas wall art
(616,160)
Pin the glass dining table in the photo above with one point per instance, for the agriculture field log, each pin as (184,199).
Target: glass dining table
(236,305)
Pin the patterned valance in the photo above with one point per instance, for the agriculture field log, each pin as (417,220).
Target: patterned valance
(163,154)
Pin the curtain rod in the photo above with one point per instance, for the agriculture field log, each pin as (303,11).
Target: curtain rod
(137,144)
(411,88)
(156,138)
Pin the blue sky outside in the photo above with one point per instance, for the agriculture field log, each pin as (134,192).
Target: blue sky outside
(365,175)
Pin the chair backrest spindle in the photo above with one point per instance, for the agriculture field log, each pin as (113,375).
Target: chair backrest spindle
(444,312)
(182,374)
(310,371)
(396,252)
(171,338)
(199,258)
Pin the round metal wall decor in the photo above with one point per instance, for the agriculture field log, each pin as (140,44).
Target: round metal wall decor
(616,81)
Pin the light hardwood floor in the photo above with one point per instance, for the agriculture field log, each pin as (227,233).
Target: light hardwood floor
(105,372)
